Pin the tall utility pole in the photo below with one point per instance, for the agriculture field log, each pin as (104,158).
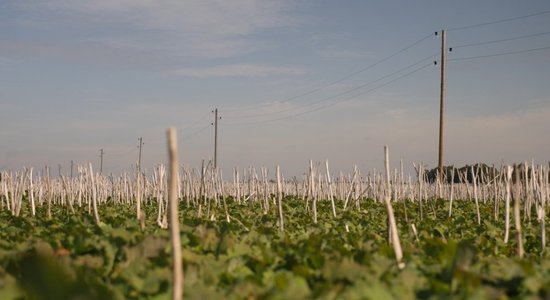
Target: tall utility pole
(72,168)
(140,140)
(442,106)
(215,137)
(101,164)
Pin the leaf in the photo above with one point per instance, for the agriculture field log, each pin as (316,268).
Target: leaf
(346,269)
(289,286)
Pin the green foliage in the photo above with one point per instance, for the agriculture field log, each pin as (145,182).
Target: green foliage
(71,257)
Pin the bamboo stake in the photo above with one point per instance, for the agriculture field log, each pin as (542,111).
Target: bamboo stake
(391,218)
(94,194)
(507,204)
(177,272)
(542,210)
(329,181)
(48,193)
(227,216)
(312,188)
(452,190)
(19,186)
(266,198)
(280,199)
(496,195)
(67,191)
(351,188)
(517,217)
(138,195)
(31,193)
(420,183)
(528,192)
(474,179)
(402,192)
(414,232)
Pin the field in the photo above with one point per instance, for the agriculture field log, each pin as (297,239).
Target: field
(234,247)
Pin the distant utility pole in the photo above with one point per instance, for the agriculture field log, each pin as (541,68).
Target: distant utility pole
(59,170)
(215,111)
(140,140)
(442,105)
(72,168)
(101,164)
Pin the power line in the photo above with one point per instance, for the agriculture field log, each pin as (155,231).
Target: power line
(123,152)
(337,80)
(322,87)
(501,40)
(499,21)
(192,124)
(342,93)
(186,137)
(336,102)
(329,104)
(499,54)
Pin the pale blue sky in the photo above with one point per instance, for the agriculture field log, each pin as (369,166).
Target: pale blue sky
(77,76)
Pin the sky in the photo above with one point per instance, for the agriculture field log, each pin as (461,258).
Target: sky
(293,81)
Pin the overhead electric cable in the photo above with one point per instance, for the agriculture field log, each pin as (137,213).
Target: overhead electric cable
(185,128)
(337,80)
(500,21)
(186,137)
(124,152)
(202,117)
(502,40)
(499,54)
(336,102)
(341,93)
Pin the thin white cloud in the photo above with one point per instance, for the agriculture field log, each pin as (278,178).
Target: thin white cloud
(234,17)
(190,28)
(240,70)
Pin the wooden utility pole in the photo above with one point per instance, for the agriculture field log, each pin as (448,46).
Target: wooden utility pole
(140,140)
(442,106)
(101,161)
(72,168)
(215,138)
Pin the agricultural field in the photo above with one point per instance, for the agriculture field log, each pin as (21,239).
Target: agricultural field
(258,239)
(98,90)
